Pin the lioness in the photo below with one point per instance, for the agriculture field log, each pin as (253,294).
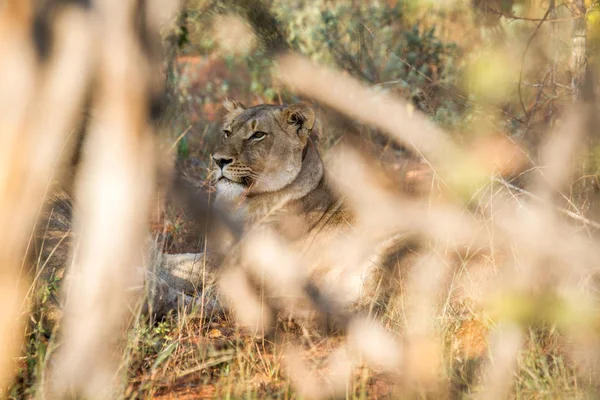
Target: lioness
(269,174)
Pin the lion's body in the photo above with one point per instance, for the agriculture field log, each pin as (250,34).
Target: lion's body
(279,184)
(272,180)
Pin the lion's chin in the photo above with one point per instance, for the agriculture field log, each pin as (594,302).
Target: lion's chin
(230,191)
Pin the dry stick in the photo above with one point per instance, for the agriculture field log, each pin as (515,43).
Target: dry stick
(379,109)
(506,343)
(517,18)
(561,210)
(17,60)
(40,109)
(180,137)
(113,190)
(531,161)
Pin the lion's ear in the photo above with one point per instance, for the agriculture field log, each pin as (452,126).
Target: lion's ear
(300,116)
(233,107)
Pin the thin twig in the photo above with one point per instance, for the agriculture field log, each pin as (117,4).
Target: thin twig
(561,210)
(517,18)
(180,137)
(533,35)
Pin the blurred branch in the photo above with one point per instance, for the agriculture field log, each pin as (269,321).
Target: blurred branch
(104,284)
(517,18)
(39,110)
(561,210)
(378,109)
(199,205)
(263,22)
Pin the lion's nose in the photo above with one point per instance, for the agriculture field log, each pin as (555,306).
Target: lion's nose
(222,161)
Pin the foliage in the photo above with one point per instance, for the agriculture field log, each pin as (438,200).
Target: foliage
(378,42)
(38,344)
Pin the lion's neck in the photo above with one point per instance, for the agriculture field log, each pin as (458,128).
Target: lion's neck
(307,179)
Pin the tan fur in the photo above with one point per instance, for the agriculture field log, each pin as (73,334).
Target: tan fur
(275,180)
(278,177)
(277,183)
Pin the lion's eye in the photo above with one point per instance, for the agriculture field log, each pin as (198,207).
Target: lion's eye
(257,136)
(226,133)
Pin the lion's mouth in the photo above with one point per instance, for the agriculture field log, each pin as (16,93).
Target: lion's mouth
(244,181)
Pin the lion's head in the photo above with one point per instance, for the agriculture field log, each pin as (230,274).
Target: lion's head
(262,147)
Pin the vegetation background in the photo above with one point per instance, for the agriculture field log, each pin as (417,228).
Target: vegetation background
(499,76)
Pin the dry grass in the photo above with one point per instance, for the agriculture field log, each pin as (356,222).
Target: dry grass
(499,300)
